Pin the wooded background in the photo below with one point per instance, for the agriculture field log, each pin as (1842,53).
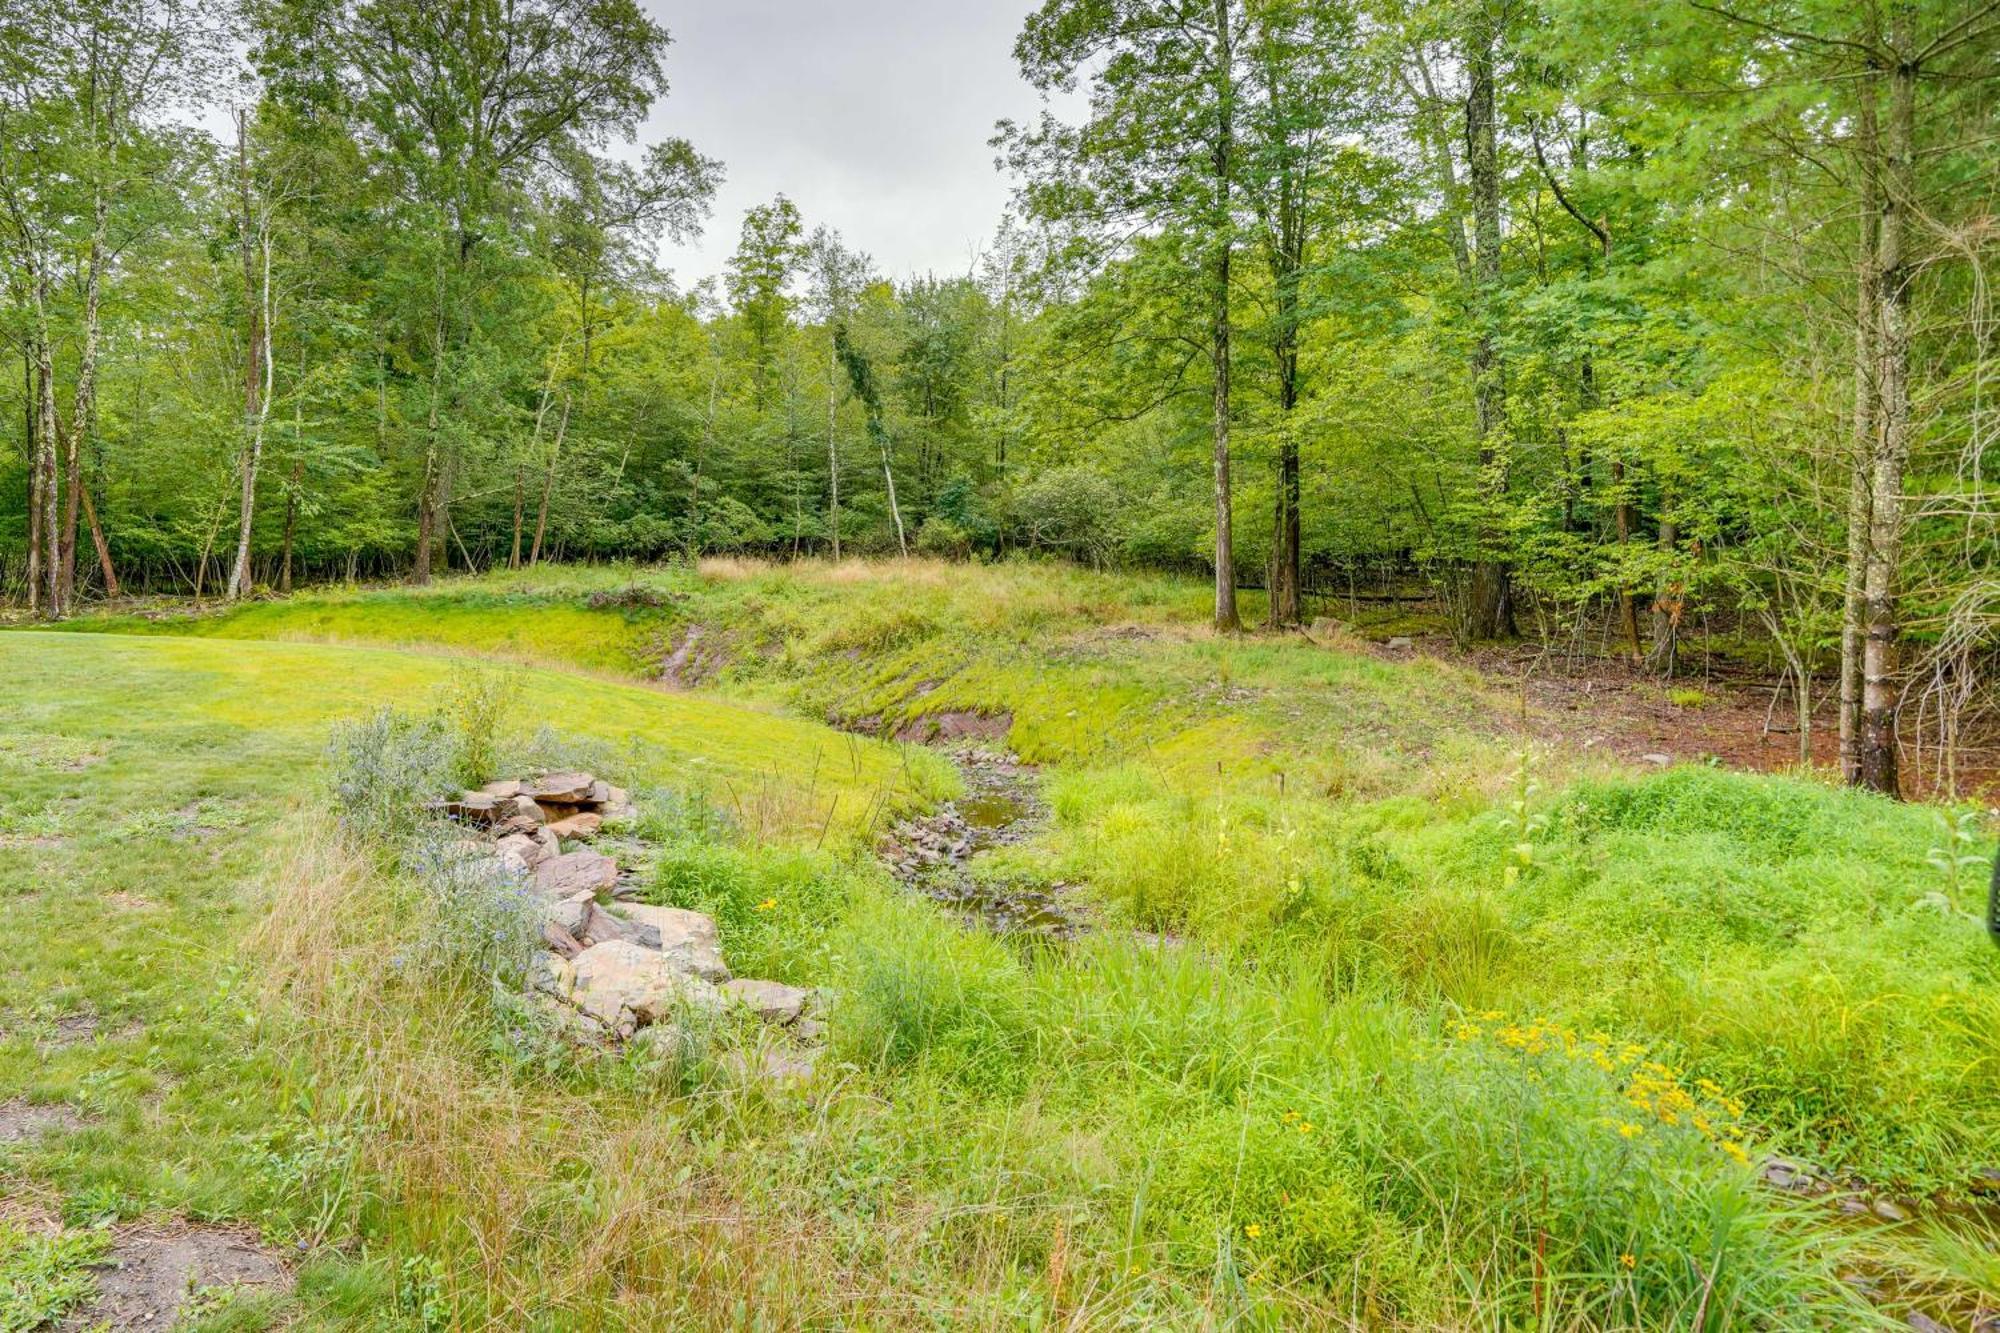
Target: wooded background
(1602,321)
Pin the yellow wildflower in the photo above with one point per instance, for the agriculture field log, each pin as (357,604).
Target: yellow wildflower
(767,904)
(1628,1260)
(1253,1231)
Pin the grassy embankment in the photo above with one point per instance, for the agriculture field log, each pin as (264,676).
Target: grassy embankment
(1397,1073)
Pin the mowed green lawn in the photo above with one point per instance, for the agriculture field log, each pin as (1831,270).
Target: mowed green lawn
(144,786)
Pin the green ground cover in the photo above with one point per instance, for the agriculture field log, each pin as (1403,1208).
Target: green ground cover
(1438,1029)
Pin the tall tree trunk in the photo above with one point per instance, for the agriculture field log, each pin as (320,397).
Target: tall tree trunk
(832,442)
(83,411)
(1668,603)
(1854,612)
(1880,690)
(549,485)
(520,501)
(889,479)
(1490,613)
(291,524)
(31,403)
(254,241)
(97,541)
(43,565)
(1223,244)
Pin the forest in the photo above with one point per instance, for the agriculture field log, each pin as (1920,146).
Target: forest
(1619,330)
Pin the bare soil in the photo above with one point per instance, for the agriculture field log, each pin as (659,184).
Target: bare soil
(154,1272)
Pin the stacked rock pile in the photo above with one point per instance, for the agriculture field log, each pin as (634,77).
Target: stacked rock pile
(623,965)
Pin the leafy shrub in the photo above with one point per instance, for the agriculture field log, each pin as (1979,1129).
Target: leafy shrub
(473,918)
(387,766)
(476,705)
(942,537)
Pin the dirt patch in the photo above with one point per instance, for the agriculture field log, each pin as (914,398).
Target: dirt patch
(153,1273)
(1721,711)
(959,725)
(73,1029)
(698,657)
(23,1121)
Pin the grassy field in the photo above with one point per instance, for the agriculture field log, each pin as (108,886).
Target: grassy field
(1396,1018)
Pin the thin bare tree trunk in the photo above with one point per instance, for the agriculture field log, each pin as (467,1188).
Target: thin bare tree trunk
(1880,689)
(1854,613)
(549,485)
(1490,609)
(1223,243)
(291,523)
(43,565)
(520,500)
(97,541)
(889,476)
(833,441)
(254,238)
(31,413)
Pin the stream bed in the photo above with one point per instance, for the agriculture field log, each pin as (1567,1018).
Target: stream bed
(1002,805)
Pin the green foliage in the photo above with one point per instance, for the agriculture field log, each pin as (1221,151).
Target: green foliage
(44,1277)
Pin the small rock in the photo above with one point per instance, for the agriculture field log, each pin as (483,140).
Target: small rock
(550,843)
(1923,1323)
(599,926)
(477,806)
(528,848)
(772,1001)
(525,807)
(562,788)
(572,873)
(563,943)
(570,913)
(600,793)
(504,790)
(1853,1206)
(1784,1175)
(583,824)
(1986,1180)
(1661,760)
(1889,1211)
(809,1029)
(1401,642)
(626,987)
(688,938)
(551,974)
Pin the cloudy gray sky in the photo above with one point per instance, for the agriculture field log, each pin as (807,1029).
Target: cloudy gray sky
(872,115)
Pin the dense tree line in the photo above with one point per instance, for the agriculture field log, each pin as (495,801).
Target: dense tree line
(1604,320)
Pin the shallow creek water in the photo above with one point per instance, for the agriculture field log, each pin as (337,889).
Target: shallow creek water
(1002,805)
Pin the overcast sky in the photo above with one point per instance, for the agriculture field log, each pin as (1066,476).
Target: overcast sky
(872,115)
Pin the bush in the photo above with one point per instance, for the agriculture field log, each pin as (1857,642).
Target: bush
(387,766)
(942,537)
(476,705)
